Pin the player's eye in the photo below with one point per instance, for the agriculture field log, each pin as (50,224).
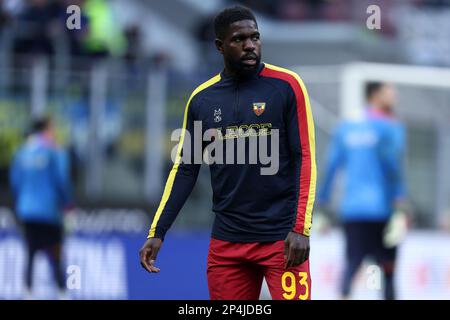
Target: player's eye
(256,37)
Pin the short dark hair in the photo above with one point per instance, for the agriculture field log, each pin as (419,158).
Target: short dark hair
(229,15)
(372,88)
(40,124)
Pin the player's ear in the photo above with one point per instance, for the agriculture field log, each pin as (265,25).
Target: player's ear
(219,45)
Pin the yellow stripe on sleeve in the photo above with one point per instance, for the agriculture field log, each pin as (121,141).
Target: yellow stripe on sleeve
(170,180)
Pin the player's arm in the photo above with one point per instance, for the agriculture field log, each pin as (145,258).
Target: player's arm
(15,173)
(393,147)
(398,151)
(393,153)
(62,173)
(180,182)
(300,131)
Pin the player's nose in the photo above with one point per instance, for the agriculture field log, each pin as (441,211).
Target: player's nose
(249,45)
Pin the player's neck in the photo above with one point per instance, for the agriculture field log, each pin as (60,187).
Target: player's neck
(380,111)
(231,72)
(385,111)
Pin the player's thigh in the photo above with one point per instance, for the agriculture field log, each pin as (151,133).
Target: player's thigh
(290,284)
(234,282)
(358,240)
(386,257)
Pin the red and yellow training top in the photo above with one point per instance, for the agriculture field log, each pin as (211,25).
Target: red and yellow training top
(249,206)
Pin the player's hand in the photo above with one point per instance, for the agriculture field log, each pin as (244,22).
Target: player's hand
(296,249)
(148,254)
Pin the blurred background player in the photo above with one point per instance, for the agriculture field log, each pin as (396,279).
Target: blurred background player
(369,149)
(40,182)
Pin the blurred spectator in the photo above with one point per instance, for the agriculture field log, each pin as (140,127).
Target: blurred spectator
(134,44)
(205,36)
(302,9)
(370,151)
(79,112)
(265,6)
(4,15)
(423,32)
(433,3)
(76,37)
(41,185)
(104,36)
(38,23)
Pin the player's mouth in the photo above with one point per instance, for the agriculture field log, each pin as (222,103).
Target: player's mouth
(249,61)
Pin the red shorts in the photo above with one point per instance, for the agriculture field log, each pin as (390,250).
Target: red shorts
(236,271)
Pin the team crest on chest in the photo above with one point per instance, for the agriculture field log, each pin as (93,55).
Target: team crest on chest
(259,107)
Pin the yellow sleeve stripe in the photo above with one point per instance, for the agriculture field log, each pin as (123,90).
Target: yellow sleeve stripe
(312,145)
(173,172)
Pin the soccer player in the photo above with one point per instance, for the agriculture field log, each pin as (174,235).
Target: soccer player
(41,186)
(369,150)
(262,224)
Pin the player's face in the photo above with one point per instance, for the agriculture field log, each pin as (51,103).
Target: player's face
(388,97)
(241,47)
(50,131)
